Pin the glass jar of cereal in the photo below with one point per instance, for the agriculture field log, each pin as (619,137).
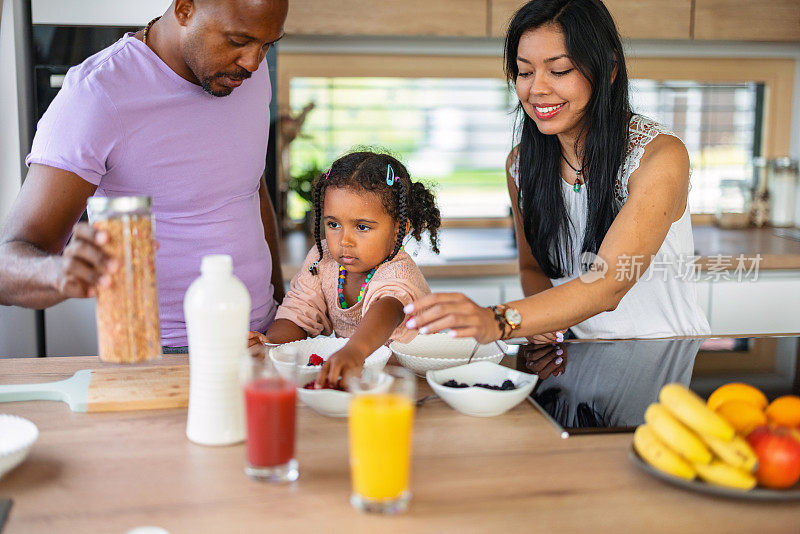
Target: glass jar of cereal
(127,309)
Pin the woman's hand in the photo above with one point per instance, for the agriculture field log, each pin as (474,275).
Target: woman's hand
(337,370)
(544,360)
(454,312)
(544,339)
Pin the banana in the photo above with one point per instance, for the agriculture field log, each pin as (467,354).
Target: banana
(675,435)
(722,474)
(736,453)
(692,411)
(654,452)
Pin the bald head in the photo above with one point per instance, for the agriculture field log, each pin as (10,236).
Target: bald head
(224,41)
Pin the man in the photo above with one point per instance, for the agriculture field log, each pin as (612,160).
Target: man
(179,112)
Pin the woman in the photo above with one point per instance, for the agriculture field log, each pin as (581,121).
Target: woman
(598,194)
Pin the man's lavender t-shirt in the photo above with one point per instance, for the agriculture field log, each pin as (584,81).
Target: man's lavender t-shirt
(127,123)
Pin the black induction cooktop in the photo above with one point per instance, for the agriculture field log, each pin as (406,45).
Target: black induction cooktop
(605,386)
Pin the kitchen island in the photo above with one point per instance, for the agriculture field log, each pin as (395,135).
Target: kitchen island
(110,472)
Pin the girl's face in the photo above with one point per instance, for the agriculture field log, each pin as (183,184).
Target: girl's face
(552,91)
(359,231)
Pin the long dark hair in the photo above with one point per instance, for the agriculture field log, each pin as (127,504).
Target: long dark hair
(595,49)
(405,201)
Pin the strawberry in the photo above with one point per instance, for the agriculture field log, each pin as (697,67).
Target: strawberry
(315,359)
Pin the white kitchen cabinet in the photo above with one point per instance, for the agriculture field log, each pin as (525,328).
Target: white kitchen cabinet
(704,297)
(512,290)
(769,305)
(484,291)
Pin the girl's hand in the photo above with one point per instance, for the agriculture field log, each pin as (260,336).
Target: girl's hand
(454,312)
(338,369)
(254,338)
(543,339)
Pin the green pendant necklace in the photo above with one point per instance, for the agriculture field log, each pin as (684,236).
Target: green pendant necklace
(577,186)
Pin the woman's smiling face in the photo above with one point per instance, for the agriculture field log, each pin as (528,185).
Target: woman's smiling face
(552,91)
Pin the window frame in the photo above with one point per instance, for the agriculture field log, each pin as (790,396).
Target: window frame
(777,75)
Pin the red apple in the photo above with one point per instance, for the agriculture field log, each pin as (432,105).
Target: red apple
(778,456)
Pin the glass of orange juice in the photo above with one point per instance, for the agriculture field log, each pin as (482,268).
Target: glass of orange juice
(381,419)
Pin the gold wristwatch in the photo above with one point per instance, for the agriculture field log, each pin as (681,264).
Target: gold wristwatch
(506,317)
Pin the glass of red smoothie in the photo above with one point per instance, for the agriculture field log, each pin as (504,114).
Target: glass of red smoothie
(270,401)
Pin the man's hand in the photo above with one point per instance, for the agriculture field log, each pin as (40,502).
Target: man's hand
(83,266)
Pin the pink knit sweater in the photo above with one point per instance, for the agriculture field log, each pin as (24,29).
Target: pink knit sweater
(312,302)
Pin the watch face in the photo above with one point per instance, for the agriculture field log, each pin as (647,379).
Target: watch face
(513,316)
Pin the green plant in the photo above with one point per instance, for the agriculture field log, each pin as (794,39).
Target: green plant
(303,183)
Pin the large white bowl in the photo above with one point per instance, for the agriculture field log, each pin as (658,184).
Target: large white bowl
(439,351)
(16,438)
(481,402)
(283,356)
(335,403)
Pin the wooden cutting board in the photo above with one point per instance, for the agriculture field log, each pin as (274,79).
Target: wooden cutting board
(111,389)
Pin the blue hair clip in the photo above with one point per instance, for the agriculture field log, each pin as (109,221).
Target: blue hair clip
(390,179)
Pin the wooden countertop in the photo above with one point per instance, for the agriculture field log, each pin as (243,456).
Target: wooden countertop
(777,253)
(110,472)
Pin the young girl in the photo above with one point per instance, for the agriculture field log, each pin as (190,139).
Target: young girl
(357,281)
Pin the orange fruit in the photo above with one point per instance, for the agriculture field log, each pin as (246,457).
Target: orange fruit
(784,411)
(742,415)
(738,391)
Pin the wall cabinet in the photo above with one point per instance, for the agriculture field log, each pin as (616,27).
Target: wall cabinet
(636,19)
(458,18)
(741,20)
(745,20)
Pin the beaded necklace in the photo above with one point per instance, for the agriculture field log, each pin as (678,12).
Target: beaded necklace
(342,276)
(147,29)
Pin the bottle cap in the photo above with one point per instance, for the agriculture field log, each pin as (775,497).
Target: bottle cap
(216,264)
(102,207)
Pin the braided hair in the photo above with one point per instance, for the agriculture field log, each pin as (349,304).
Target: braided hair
(409,203)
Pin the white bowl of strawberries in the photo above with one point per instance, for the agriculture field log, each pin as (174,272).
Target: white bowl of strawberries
(308,355)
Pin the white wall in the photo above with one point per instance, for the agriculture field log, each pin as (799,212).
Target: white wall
(97,12)
(17,325)
(10,171)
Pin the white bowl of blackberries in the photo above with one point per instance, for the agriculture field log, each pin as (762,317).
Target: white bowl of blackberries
(481,389)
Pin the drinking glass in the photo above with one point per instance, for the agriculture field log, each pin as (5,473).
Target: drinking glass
(270,401)
(380,424)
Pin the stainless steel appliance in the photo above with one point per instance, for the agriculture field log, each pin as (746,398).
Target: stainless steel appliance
(606,386)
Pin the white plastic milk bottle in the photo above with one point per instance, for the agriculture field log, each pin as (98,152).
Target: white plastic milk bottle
(217,310)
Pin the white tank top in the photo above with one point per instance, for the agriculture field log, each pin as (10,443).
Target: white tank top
(663,302)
